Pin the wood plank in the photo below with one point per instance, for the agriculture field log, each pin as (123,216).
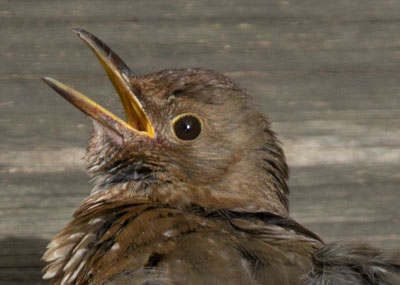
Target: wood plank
(326,73)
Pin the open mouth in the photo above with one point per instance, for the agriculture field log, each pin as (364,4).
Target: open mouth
(119,74)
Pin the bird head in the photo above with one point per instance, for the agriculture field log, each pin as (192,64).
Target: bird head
(191,137)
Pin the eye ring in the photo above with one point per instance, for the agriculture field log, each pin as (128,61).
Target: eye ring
(186,127)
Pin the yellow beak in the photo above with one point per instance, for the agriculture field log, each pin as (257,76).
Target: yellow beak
(119,74)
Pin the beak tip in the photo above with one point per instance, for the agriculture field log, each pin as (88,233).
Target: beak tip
(80,32)
(54,84)
(47,80)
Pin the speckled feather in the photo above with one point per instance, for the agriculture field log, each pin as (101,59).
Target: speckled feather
(141,240)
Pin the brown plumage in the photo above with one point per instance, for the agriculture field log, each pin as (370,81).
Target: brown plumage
(191,189)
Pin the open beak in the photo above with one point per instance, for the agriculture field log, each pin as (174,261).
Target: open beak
(119,74)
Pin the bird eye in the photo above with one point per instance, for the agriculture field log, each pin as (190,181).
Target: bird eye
(186,127)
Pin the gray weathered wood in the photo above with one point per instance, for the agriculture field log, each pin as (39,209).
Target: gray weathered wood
(326,72)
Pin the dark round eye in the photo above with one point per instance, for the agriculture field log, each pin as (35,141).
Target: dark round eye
(186,127)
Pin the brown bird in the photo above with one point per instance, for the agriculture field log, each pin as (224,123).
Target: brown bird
(191,189)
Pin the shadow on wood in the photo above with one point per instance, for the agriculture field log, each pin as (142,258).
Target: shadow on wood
(20,260)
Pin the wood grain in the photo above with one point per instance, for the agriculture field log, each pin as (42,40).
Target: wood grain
(326,73)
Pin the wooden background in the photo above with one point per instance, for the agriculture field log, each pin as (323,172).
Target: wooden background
(326,72)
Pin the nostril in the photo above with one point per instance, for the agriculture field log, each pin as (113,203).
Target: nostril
(178,92)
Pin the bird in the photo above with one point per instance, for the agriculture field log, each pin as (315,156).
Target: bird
(191,188)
